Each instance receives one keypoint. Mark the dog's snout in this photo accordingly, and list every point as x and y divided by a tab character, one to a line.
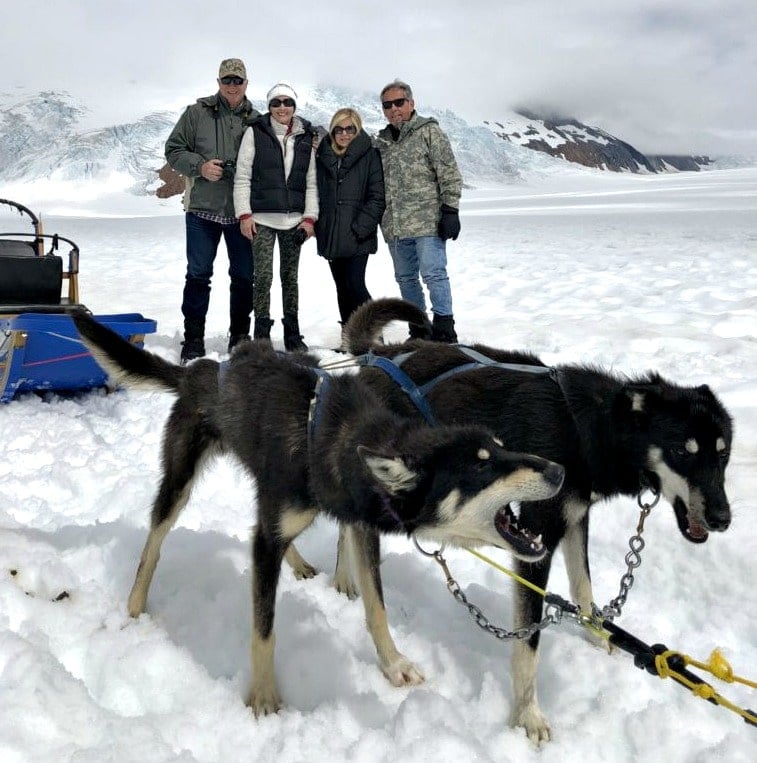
719	521
554	474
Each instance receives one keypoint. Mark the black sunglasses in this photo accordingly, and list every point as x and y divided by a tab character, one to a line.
398	102
232	81
350	130
276	102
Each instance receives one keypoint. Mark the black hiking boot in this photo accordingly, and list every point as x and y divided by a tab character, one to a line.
235	339
292	337
191	350
443	329
262	328
419	332
239	330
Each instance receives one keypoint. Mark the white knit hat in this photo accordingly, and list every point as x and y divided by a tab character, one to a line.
281	90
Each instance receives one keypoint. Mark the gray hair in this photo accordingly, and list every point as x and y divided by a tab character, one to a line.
399	84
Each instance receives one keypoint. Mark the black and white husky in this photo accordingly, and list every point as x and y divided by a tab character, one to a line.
613	435
340	452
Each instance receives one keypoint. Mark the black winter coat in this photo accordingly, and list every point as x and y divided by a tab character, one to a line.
350	198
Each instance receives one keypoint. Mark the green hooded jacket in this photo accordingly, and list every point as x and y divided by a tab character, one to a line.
208	129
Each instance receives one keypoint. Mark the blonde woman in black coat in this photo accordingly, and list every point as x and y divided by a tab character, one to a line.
351	198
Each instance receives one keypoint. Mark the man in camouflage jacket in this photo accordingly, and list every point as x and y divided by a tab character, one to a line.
423	187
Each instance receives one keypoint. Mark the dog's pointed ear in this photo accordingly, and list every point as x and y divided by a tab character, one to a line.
392	473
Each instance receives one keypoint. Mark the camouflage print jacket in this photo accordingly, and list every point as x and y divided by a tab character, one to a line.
208	129
421	174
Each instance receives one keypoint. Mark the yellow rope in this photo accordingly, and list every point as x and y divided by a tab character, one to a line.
717	665
585	620
512	574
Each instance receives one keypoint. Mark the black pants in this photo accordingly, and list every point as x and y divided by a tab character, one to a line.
349	277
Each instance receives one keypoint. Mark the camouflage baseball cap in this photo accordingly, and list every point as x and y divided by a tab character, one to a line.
232	67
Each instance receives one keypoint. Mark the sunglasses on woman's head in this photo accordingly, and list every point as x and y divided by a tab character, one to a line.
349	130
276	102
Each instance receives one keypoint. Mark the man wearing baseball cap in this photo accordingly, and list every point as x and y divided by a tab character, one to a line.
203	147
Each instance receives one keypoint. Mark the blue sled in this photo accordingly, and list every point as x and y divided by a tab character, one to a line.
40	352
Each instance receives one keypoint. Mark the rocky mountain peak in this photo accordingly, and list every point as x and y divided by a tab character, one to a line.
567	138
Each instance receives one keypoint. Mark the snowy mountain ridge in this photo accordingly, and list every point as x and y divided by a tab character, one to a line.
567	138
44	136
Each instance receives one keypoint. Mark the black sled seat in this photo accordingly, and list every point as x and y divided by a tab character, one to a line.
32	280
29	280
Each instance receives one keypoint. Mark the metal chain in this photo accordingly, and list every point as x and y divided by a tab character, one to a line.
633	559
553	615
555	606
553	611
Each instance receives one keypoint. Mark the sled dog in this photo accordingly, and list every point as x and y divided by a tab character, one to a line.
615	436
315	443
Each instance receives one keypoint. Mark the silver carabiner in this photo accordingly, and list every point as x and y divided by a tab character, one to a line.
432	554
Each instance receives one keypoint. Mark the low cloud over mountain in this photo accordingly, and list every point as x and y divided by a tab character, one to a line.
45	136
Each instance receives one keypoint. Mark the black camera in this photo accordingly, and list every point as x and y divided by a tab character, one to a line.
229	167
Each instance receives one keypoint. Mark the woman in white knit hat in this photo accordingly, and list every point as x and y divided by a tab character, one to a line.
276	198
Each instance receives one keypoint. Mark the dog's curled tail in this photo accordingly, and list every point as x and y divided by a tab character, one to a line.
124	363
363	329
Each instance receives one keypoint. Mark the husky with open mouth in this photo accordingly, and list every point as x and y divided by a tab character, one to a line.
615	436
320	444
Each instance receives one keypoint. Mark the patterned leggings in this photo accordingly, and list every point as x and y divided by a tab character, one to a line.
289	263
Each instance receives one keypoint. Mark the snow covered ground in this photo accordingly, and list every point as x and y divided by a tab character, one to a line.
628	272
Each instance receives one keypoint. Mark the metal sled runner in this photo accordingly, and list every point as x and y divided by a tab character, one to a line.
39	346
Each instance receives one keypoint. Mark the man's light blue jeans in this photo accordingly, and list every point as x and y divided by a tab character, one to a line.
423	257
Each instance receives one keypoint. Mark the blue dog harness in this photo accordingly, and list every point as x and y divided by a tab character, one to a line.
392	367
417	394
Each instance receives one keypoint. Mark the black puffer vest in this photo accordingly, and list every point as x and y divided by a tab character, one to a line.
271	191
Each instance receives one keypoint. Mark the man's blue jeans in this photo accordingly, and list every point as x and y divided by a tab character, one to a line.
424	256
203	237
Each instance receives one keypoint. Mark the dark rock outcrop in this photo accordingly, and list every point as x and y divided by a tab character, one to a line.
573	141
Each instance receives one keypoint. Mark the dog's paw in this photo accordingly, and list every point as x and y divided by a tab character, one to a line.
136	604
302	570
533	721
344	584
402	672
600	643
263	701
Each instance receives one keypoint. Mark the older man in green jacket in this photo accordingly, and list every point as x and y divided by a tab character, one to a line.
203	147
423	187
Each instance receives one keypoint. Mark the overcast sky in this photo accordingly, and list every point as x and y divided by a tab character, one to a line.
676	76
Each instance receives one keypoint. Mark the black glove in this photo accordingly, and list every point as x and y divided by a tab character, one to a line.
300	237
449	224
